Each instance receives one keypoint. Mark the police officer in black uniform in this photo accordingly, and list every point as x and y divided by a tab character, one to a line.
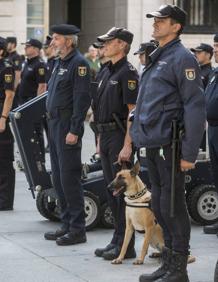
171	89
67	103
50	55
116	96
7	173
211	95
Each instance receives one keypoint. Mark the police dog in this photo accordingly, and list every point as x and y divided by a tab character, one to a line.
139	215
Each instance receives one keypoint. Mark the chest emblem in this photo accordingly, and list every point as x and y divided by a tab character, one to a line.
41	71
190	74
132	84
82	71
8	78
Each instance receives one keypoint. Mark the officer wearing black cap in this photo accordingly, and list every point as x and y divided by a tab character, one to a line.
67	103
170	93
211	95
50	55
116	96
7	173
204	54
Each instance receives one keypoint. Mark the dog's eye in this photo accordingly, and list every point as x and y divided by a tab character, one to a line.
120	177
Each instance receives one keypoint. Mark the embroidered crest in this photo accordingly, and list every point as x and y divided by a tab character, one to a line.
8	78
41	71
82	71
190	74
132	84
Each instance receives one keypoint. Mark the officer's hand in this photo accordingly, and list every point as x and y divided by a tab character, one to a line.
2	125
71	139
125	153
185	165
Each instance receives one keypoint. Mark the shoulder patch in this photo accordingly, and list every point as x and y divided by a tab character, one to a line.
16	63
132	84
131	67
8	78
82	71
190	74
41	71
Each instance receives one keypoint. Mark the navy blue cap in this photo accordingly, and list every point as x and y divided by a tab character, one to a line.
146	47
33	42
98	44
117	32
203	47
47	41
215	39
3	43
11	39
170	11
65	29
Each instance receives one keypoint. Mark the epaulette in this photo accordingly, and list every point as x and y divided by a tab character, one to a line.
7	63
131	67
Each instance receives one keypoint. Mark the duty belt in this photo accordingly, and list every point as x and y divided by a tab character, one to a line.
59	114
109	126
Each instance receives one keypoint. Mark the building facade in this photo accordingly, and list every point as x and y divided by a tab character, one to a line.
33	18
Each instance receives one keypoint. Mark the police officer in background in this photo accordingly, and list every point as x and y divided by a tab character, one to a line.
116	96
204	54
7	173
171	89
67	103
50	55
211	95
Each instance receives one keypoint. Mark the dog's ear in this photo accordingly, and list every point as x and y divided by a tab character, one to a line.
124	165
135	170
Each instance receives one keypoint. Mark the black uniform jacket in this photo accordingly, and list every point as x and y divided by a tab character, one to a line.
69	89
171	88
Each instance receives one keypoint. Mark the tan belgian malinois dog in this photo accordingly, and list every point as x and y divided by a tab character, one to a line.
139	215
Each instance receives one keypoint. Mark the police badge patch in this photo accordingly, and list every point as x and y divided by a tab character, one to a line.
41	71
132	84
8	78
82	71
190	74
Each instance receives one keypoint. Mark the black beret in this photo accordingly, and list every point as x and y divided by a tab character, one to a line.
65	29
47	41
11	39
215	39
33	42
170	11
203	47
117	32
3	43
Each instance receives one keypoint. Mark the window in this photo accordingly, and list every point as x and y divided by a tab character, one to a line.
202	15
35	19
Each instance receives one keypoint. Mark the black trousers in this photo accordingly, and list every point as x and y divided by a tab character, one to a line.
66	175
7	172
111	144
176	230
213	150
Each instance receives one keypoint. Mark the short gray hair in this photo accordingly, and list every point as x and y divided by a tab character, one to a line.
74	39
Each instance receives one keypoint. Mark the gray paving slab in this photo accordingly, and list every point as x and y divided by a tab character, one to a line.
26	257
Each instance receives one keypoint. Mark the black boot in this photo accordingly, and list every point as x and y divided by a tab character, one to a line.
166	260
177	270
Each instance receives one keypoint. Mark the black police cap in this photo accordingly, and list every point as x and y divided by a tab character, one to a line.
33	42
11	39
119	33
3	43
98	44
203	47
215	39
47	41
148	46
65	29
170	11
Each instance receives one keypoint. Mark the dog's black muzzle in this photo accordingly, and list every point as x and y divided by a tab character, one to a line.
117	186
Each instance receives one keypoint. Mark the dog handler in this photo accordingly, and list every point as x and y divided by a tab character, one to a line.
171	88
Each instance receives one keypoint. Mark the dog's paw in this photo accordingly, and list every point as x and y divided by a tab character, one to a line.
117	261
138	262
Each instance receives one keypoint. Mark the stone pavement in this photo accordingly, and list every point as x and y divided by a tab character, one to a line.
26	257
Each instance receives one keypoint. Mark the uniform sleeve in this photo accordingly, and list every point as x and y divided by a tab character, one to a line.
81	96
17	63
194	115
129	85
9	78
40	72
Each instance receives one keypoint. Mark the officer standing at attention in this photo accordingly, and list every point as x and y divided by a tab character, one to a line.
7	173
211	95
116	97
171	89
67	104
